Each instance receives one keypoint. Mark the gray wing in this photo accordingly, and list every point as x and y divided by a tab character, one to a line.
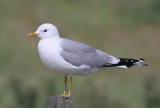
80	54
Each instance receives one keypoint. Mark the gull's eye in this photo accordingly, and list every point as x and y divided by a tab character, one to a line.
45	30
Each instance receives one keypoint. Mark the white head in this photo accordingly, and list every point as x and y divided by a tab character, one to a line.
45	31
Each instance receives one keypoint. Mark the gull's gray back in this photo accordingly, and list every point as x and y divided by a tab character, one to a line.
81	54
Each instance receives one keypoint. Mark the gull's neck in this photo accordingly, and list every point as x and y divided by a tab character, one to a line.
52	38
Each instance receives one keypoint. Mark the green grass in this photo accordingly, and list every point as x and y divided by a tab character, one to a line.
121	28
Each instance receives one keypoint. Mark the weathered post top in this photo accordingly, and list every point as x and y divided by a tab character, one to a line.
60	102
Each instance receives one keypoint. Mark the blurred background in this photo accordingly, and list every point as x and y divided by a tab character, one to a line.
123	28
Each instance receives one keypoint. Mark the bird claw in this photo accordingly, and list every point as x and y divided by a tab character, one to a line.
64	95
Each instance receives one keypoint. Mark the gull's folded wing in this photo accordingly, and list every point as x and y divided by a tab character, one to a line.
81	54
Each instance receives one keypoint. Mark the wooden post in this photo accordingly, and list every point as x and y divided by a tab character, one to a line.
60	102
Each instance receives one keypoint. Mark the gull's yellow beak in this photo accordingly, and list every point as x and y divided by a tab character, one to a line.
32	34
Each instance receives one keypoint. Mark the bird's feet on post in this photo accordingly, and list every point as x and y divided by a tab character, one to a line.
64	94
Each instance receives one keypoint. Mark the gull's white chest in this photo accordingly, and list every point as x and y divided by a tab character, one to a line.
49	52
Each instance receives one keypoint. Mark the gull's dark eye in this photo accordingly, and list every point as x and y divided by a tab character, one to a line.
45	30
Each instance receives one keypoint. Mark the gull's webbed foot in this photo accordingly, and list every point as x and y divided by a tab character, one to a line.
64	95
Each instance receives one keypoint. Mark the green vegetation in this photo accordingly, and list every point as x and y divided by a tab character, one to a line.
123	28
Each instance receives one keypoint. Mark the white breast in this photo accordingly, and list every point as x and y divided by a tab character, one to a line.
49	52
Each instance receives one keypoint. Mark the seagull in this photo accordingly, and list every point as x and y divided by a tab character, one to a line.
74	58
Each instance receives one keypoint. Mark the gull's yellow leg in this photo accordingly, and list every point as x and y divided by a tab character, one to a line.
65	82
70	83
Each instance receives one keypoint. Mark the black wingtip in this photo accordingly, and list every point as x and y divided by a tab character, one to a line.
141	59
